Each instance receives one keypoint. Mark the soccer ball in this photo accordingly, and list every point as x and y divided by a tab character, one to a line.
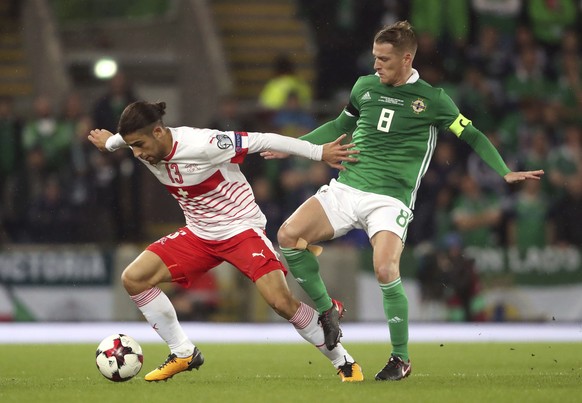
119	357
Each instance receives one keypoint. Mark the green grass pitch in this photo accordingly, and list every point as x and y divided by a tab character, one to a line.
449	372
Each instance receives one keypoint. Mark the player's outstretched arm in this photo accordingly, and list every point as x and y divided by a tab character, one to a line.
104	140
274	155
333	153
514	177
99	137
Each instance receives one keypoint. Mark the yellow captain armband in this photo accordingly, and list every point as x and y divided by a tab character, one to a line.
459	125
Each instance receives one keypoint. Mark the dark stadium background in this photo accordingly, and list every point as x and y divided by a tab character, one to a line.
71	218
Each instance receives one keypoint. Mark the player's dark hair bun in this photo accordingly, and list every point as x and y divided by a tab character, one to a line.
140	114
161	106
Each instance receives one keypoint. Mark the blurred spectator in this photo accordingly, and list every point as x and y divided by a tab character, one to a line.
480	98
464	299
431	280
489	54
444	171
565	161
569	49
119	179
448	22
497	16
11	164
45	132
299	180
429	56
550	19
516	129
293	119
536	157
334	26
369	15
285	81
50	216
476	215
450	287
443	221
529	224
265	198
228	116
10	141
552	123
524	38
570	88
567	214
31	184
76	121
528	80
108	108
443	19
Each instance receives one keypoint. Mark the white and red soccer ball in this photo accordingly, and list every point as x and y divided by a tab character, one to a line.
119	357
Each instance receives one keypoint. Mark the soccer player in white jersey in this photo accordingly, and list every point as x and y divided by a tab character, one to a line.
199	167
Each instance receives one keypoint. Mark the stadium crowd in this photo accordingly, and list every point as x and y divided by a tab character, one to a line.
513	67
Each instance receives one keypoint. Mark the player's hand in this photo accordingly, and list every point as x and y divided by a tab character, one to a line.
514	177
335	153
99	137
273	155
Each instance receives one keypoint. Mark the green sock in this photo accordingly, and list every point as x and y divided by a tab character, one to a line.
396	311
304	267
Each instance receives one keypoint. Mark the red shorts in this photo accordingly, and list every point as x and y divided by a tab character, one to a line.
189	257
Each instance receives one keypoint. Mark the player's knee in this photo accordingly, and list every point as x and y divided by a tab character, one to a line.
132	283
285	238
387	272
284	305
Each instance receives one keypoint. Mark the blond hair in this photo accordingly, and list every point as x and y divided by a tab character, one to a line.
400	35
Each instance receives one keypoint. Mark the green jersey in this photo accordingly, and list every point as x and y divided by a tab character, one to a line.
396	134
395	129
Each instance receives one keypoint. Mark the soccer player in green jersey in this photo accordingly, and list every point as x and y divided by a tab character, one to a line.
394	117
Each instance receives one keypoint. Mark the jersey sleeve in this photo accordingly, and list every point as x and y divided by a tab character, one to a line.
485	149
275	142
224	147
115	142
233	147
448	116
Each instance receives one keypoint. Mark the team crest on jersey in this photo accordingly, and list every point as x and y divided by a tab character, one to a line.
418	106
223	141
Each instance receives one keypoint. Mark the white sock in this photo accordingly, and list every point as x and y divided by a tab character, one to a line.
305	322
161	315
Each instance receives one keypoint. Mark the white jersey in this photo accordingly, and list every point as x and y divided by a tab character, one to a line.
203	175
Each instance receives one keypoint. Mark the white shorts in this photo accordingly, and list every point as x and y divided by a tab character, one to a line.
348	208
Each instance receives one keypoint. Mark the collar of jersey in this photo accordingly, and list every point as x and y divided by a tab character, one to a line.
413	77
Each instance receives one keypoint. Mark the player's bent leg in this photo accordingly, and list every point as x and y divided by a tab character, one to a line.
305	322
307	225
309	222
387	251
145	272
140	279
276	293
